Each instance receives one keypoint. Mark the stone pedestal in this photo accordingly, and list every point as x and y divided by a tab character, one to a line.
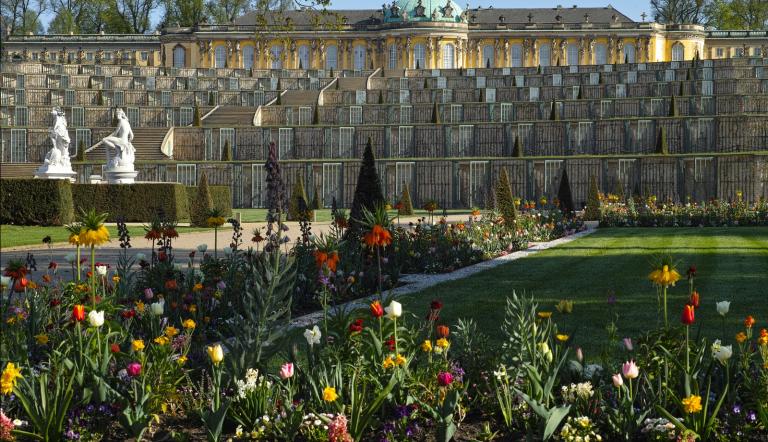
55	173
121	175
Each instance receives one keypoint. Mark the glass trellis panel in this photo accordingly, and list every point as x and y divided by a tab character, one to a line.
248	56
305	115
465	139
20	97
21	116
478	182
575	92
179	57
572	56
258	185
404	137
441	82
456	113
403	83
213	97
20	81
118	98
405	114
346	137
64	82
624	174
419	56
525	133
584	134
594	78
331	57
470	72
331	183
304	57
360	97
658	107
557	80
276	53
644	133
605	109
359	57
704	132
403	177
258	98
18	145
208	135
707	87
186	174
621	91
405	95
69	97
533	94
165	98
669	75
107	82
551	175
227	134
490	95
701	165
151	83
516	51
601	54
82	139
285	142
678	52
545	55
186	115
133	116
234	84
632	77
355	115
78	116
447	95
480	82
505	115
519	80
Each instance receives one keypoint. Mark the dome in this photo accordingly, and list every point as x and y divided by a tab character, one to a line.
423	10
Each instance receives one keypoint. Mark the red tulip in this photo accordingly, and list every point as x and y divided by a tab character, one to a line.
376	309
443	331
694	301
444	378
688	314
78	312
20	284
356	326
390	343
114	348
436	305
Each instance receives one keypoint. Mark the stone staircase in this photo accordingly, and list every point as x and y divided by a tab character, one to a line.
299	98
146	141
18	170
228	116
353	83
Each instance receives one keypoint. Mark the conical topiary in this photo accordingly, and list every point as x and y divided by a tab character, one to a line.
211	102
330	74
620	189
114	118
592	211
315	205
435	114
279	100
80	151
661	142
564	195
381	97
202	204
626	58
196	121
301	65
90	82
316	115
487	63
426	84
406	205
100	98
672	107
517	149
681	91
226	154
580	95
417	65
505	202
553	114
368	189
297	206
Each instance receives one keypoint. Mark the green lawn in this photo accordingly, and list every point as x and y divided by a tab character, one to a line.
324	215
732	264
12	236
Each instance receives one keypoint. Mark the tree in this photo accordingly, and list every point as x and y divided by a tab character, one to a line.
381	97
368	189
129	16
81	151
580	96
517	150
737	14
226	11
672	107
100	100
406	205
202	204
21	17
553	114
435	114
226	154
297	205
196	117
505	202
678	11
592	211
564	195
315	205
316	115
184	13
661	142
80	16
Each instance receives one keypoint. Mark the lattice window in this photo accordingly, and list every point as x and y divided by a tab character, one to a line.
552	171
20	97
405	114
186	115
442	82
403	177
331	183
69	97
285	142
404	138
133	114
186	174
355	115
360	97
457	114
118	98
82	139
165	98
478	182
305	115
258	185
78	116
208	140
644	133
227	134
505	116
21	116
405	96
490	95
465	139
346	138
447	95
18	145
624	173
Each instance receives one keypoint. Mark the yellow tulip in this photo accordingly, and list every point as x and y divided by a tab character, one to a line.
216	353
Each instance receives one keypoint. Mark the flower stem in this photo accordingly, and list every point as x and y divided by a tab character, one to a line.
666	322
93	275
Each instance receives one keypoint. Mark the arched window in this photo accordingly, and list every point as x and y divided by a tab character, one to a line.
601	54
449	53
359	55
629	53
221	57
419	56
393	56
678	52
332	57
179	57
489	53
304	60
516	55
573	54
277	60
248	57
545	55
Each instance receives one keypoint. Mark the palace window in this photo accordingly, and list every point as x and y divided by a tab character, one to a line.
488	56
359	55
221	57
304	60
248	57
545	55
332	57
448	56
573	55
601	54
419	56
678	52
516	55
629	53
186	174
277	52
393	56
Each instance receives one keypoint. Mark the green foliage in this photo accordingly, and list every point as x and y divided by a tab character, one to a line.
90	82
27	201
381	97
138	202
368	193
662	146
99	98
211	102
221	196
46	399
517	150
298	204
114	117
81	151
406	205
279	99
672	106
315	204
505	202
553	114
226	153
435	114
316	115
202	204
564	195
592	211
196	117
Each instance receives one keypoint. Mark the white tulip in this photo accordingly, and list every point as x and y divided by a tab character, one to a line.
202	248
394	310
312	336
101	270
723	307
96	319
5	281
721	352
157	308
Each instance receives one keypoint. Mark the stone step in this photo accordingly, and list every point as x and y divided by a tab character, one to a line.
227	116
294	98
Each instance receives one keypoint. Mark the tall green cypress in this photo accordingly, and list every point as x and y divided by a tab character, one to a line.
661	142
517	150
368	193
202	205
672	107
564	195
592	211
435	114
505	202
297	206
406	205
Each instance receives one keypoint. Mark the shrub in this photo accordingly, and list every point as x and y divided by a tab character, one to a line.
592	212
672	107
196	121
226	154
210	100
381	97
221	196
517	151
28	201
80	151
202	204
406	205
368	189
553	116
564	195
139	202
435	114
661	142
100	98
298	206
505	203
316	115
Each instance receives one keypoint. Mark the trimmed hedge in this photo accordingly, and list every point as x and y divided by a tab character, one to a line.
28	201
139	202
221	196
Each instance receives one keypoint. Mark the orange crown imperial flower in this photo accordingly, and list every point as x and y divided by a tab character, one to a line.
664	276
749	321
378	236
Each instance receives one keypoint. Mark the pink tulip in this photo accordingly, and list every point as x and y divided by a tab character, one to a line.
133	369
444	378
286	371
630	370
617	380
628	344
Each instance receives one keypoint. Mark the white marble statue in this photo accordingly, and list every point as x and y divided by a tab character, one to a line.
57	164
120	152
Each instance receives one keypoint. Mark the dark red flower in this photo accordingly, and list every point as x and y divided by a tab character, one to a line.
52	265
128	314
55	302
436	304
390	343
691	271
443	331
114	348
444	378
356	326
695	299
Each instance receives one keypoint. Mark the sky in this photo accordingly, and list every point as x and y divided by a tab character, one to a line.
630	8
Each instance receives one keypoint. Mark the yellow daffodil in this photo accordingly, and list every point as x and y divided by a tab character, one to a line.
181	360
137	345
188	324
442	343
388	362
399	360
171	331
664	276
41	339
562	337
544	315
139	306
329	394
426	346
115	279
8	378
162	340
564	306
692	404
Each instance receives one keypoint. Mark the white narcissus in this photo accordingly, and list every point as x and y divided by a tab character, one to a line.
723	307
394	310
157	308
312	336
96	319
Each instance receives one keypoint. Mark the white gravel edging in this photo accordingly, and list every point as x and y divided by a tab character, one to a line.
419	282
